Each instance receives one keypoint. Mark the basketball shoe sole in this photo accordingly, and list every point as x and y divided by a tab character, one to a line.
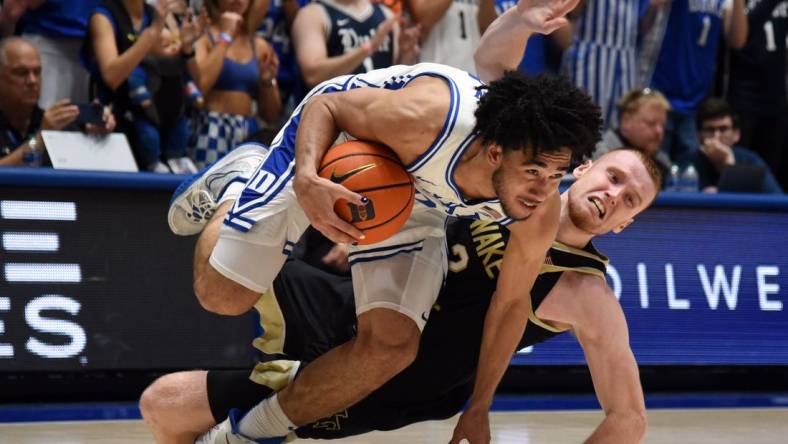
195	200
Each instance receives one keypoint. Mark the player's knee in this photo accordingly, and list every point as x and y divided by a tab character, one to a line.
389	345
392	358
156	401
220	295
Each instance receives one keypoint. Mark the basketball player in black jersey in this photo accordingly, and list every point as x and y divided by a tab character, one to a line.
310	311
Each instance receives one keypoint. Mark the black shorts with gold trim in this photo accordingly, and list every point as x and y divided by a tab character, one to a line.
307	313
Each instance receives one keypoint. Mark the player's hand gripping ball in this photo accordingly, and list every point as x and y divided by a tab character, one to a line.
373	171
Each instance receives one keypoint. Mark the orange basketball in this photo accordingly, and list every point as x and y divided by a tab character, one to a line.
373	171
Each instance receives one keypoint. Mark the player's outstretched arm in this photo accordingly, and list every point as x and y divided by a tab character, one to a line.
406	120
502	45
507	315
601	328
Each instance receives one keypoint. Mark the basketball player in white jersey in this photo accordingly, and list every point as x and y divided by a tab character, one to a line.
495	152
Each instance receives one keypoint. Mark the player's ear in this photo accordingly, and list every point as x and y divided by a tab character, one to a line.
494	154
582	168
621	227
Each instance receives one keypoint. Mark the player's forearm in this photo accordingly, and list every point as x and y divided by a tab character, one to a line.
501	47
316	132
503	328
318	71
736	34
622	427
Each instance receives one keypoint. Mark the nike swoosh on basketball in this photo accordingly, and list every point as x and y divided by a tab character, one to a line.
343	177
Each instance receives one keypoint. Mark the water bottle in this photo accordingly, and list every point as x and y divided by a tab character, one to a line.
689	179
672	181
34	157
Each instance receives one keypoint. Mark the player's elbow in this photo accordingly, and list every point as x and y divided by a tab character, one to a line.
316	103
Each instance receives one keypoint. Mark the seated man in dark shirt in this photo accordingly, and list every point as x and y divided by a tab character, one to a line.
718	131
21	120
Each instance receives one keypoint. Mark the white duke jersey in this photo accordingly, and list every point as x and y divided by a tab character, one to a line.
433	170
454	38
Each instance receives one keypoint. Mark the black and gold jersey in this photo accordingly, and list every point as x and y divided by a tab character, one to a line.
310	311
439	382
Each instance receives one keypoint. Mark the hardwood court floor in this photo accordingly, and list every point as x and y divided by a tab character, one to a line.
718	426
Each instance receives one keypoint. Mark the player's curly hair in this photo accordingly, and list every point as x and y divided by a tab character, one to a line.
544	113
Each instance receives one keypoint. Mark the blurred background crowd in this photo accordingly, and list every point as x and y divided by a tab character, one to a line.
700	85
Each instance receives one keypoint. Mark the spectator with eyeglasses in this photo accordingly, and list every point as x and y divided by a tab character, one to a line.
718	135
642	114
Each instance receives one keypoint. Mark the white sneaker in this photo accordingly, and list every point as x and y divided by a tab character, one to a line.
182	165
226	432
195	200
222	433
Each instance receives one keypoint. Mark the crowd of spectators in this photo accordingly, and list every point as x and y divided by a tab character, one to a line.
693	83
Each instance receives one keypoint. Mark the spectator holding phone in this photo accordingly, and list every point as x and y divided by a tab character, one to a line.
21	119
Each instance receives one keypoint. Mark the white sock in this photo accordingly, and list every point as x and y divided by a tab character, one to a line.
266	420
232	192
